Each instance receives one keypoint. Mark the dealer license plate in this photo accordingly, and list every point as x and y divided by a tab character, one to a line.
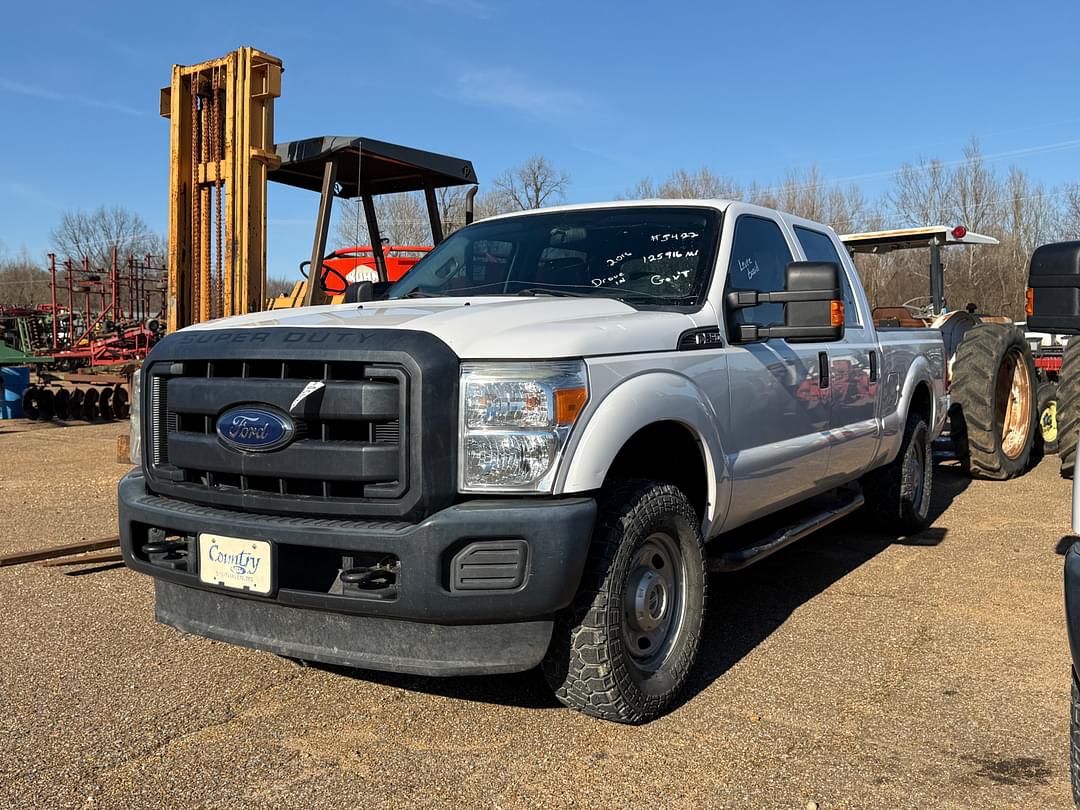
235	563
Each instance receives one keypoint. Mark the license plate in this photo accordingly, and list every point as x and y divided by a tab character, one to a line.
235	563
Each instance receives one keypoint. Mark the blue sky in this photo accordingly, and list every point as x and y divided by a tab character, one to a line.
610	91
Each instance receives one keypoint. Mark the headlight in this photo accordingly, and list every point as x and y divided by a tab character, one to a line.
515	420
136	433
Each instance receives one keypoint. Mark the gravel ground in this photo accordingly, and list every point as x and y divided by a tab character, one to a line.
846	671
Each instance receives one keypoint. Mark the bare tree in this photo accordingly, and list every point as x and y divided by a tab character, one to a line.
402	218
94	234
533	184
22	282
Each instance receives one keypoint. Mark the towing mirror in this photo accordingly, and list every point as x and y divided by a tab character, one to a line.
1053	296
813	306
360	291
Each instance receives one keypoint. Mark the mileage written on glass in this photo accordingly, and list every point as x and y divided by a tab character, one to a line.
643	255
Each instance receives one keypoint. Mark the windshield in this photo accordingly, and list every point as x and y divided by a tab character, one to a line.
658	255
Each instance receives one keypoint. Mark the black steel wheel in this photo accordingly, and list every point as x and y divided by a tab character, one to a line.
623	650
898	495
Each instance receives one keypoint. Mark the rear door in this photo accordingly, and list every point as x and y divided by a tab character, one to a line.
854	365
778	413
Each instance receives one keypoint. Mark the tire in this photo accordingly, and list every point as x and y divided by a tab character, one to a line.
623	649
1068	407
1048	428
994	406
898	495
1074	741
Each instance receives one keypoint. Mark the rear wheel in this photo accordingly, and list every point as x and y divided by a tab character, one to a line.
623	649
1048	428
898	495
993	412
1068	407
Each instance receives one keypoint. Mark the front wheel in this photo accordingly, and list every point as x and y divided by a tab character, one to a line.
622	651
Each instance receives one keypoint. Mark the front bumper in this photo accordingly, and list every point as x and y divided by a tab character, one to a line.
424	624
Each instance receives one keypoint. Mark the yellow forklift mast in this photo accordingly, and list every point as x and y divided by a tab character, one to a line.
221	145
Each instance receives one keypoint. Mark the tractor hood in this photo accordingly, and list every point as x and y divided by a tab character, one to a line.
495	327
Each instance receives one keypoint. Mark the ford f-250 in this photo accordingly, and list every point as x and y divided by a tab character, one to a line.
532	451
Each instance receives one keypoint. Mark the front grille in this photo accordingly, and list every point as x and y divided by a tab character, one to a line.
348	449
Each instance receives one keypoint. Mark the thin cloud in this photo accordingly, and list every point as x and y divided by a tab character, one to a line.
51	95
470	8
503	88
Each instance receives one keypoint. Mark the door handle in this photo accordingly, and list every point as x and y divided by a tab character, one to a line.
873	366
823	369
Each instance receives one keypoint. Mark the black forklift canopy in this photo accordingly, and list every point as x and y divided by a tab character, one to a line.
367	167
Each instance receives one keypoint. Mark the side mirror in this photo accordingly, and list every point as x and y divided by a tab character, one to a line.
360	291
1053	296
813	306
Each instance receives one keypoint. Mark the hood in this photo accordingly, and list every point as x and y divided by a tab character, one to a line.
495	327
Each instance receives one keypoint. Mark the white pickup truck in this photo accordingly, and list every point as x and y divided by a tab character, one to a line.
532	450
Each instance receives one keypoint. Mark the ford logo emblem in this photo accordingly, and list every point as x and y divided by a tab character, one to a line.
255	429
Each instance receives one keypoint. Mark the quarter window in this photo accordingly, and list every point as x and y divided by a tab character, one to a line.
818	247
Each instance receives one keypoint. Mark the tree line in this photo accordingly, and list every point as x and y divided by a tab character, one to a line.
1008	205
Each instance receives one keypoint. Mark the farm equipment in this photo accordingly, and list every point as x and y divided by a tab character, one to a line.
992	380
223	154
1053	308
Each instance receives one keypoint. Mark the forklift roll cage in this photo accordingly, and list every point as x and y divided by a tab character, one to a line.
352	167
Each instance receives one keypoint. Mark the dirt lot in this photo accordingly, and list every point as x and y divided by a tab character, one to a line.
847	671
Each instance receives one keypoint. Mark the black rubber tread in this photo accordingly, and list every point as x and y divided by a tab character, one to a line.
889	490
973	425
1068	409
1074	741
1047	394
587	665
31	402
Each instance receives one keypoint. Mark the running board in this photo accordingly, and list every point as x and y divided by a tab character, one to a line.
737	558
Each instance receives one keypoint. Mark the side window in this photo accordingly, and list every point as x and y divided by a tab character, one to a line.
818	247
759	254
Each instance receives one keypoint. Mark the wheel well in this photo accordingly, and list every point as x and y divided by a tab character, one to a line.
921	403
668	452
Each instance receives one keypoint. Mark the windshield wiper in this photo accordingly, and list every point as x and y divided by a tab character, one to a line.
417	293
555	292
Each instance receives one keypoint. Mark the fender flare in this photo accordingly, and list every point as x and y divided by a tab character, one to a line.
636	403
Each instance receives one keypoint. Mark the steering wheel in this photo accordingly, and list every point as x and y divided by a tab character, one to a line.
326	270
921	308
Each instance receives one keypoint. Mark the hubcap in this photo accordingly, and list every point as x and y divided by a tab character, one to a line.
653	601
916	464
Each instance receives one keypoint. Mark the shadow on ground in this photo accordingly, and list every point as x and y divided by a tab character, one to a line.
748	606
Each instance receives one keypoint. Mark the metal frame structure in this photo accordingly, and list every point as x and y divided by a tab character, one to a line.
221	116
351	167
934	237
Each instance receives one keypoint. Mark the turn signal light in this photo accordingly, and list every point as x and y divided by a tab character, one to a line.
568	404
1030	307
836	313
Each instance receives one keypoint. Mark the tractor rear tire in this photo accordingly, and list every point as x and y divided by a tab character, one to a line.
1068	407
993	416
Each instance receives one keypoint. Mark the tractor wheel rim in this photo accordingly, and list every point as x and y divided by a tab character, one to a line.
654	602
1048	422
1012	404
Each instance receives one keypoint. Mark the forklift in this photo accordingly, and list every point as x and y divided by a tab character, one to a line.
223	154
